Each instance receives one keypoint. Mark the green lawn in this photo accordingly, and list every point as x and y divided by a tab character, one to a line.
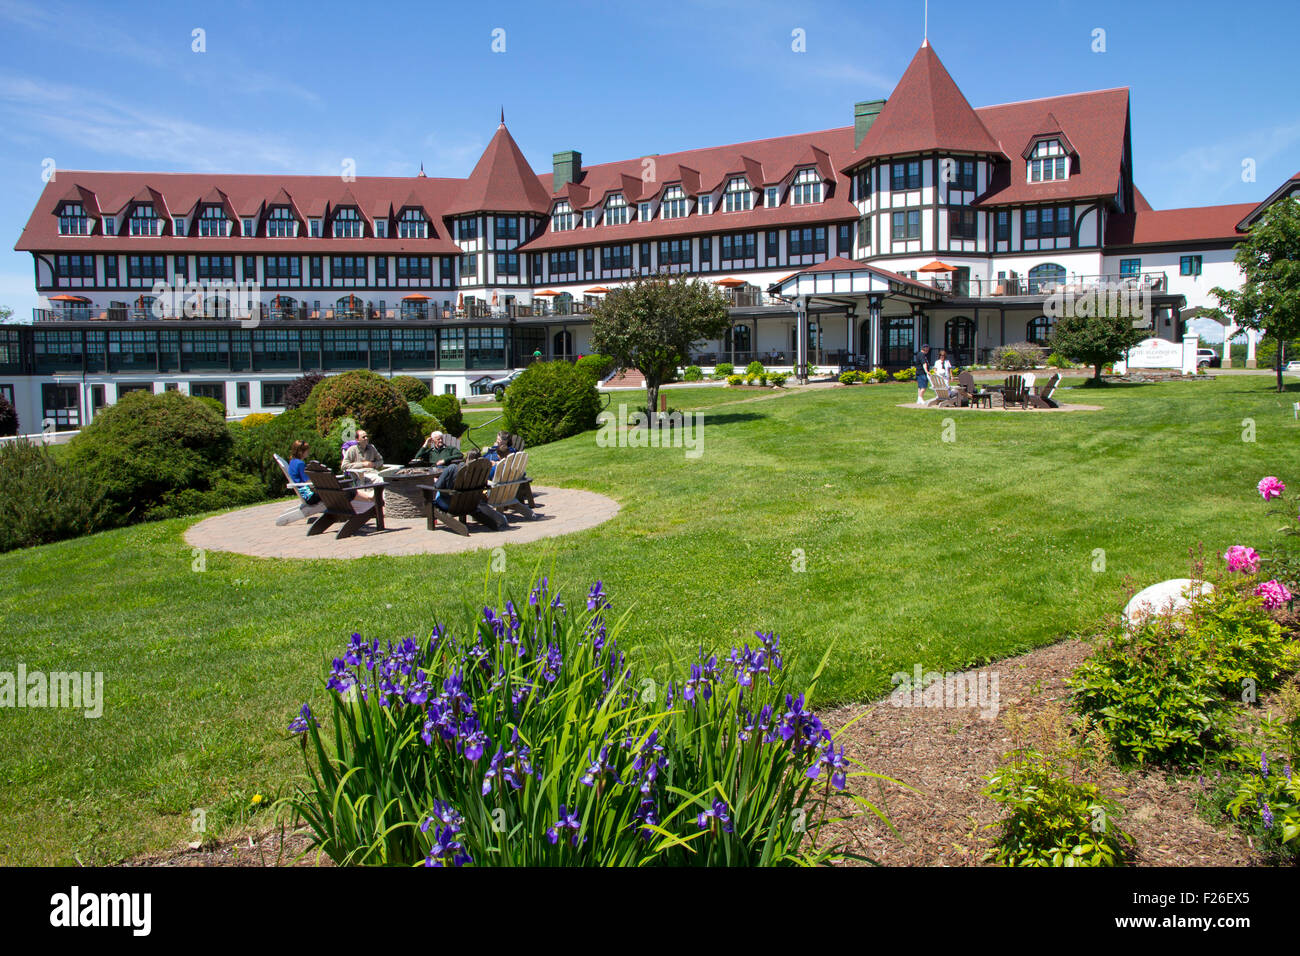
917	550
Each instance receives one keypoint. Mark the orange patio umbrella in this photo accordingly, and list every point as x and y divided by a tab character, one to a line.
68	298
937	266
729	282
596	290
415	297
547	292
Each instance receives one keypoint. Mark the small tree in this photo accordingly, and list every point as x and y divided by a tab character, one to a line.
1269	299
1095	340
652	324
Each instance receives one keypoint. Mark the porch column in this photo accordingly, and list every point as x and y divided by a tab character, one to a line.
975	340
1250	349
1229	331
873	308
850	317
801	339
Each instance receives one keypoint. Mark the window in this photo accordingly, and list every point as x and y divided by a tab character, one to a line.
7	393
772	197
249	227
469	267
143	222
381	228
347	223
507	263
178	226
73	220
281	224
181	266
250	268
862	183
807	188
906	175
738	197
1189	265
381	273
467	228
738	247
806	241
616	210
412	225
959	337
341	267
773	246
1048	162
110	225
961	223
1047	222
1043	279
505	230
1130	267
844	239
273	394
216	267
212	222
414	267
241	395
146	268
564	264
907	225
213	390
1039	330
1003	226
75	267
675	252
285	267
562	217
706	253
644	263
313	228
616	257
966	175
675	204
589	218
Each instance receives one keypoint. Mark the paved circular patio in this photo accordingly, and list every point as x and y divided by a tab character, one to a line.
253	531
1000	409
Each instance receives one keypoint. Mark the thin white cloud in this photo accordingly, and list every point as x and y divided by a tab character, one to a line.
1212	170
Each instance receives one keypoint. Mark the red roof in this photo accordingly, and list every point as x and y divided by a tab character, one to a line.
926	111
242	195
1198	224
502	181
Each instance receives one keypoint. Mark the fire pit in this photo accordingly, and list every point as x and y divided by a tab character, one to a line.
402	492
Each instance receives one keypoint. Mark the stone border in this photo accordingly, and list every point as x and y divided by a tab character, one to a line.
253	531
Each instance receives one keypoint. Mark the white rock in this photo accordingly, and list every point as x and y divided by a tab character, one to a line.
1168	597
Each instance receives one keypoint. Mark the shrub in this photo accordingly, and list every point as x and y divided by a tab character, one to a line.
778	379
1053	821
762	378
1018	356
596	366
754	368
1057	360
848	378
905	374
213	404
410	388
878	375
44	500
518	736
161	455
550	401
372	403
255	419
254	448
445	408
299	390
750	378
735	380
693	373
724	369
8	418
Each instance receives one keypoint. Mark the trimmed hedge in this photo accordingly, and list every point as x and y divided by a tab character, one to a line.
410	388
445	408
363	400
597	366
550	401
42	499
8	418
255	447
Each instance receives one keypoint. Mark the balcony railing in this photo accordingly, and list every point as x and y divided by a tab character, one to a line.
1018	285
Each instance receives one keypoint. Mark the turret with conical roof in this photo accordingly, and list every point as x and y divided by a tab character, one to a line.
502	181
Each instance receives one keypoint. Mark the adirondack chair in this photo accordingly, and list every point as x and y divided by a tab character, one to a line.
1014	392
525	483
303	490
467	498
503	493
1041	397
353	512
448	441
1030	379
974	393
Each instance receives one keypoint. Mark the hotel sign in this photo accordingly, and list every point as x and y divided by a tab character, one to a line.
1156	353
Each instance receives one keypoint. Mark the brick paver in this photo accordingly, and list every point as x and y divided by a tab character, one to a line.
253	531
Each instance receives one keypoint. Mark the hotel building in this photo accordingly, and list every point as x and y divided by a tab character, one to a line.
821	240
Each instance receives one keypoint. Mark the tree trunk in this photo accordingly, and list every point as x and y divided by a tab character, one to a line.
1096	373
651	396
1278	363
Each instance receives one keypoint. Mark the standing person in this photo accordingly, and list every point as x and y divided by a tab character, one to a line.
942	370
921	361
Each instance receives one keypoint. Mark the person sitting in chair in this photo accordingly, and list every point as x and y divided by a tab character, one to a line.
501	449
298	471
363	456
447	480
436	451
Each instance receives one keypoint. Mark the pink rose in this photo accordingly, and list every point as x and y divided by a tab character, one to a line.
1274	594
1242	558
1271	487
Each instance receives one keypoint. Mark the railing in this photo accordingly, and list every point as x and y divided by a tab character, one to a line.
1017	285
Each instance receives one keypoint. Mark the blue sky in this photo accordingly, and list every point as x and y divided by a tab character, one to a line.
299	87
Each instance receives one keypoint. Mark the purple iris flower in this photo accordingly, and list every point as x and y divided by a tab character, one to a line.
340	677
304	719
1263	764
1267	817
447	850
717	812
837	764
598	768
568	821
596	598
554	661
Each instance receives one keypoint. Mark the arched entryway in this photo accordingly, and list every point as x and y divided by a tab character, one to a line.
562	344
959	340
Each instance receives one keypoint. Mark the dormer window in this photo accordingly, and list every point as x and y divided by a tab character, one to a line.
143	222
807	188
73	221
562	218
381	228
110	225
772	197
413	225
589	218
643	211
314	228
616	210
212	222
675	203
706	204
739	197
1048	162
347	224
281	224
